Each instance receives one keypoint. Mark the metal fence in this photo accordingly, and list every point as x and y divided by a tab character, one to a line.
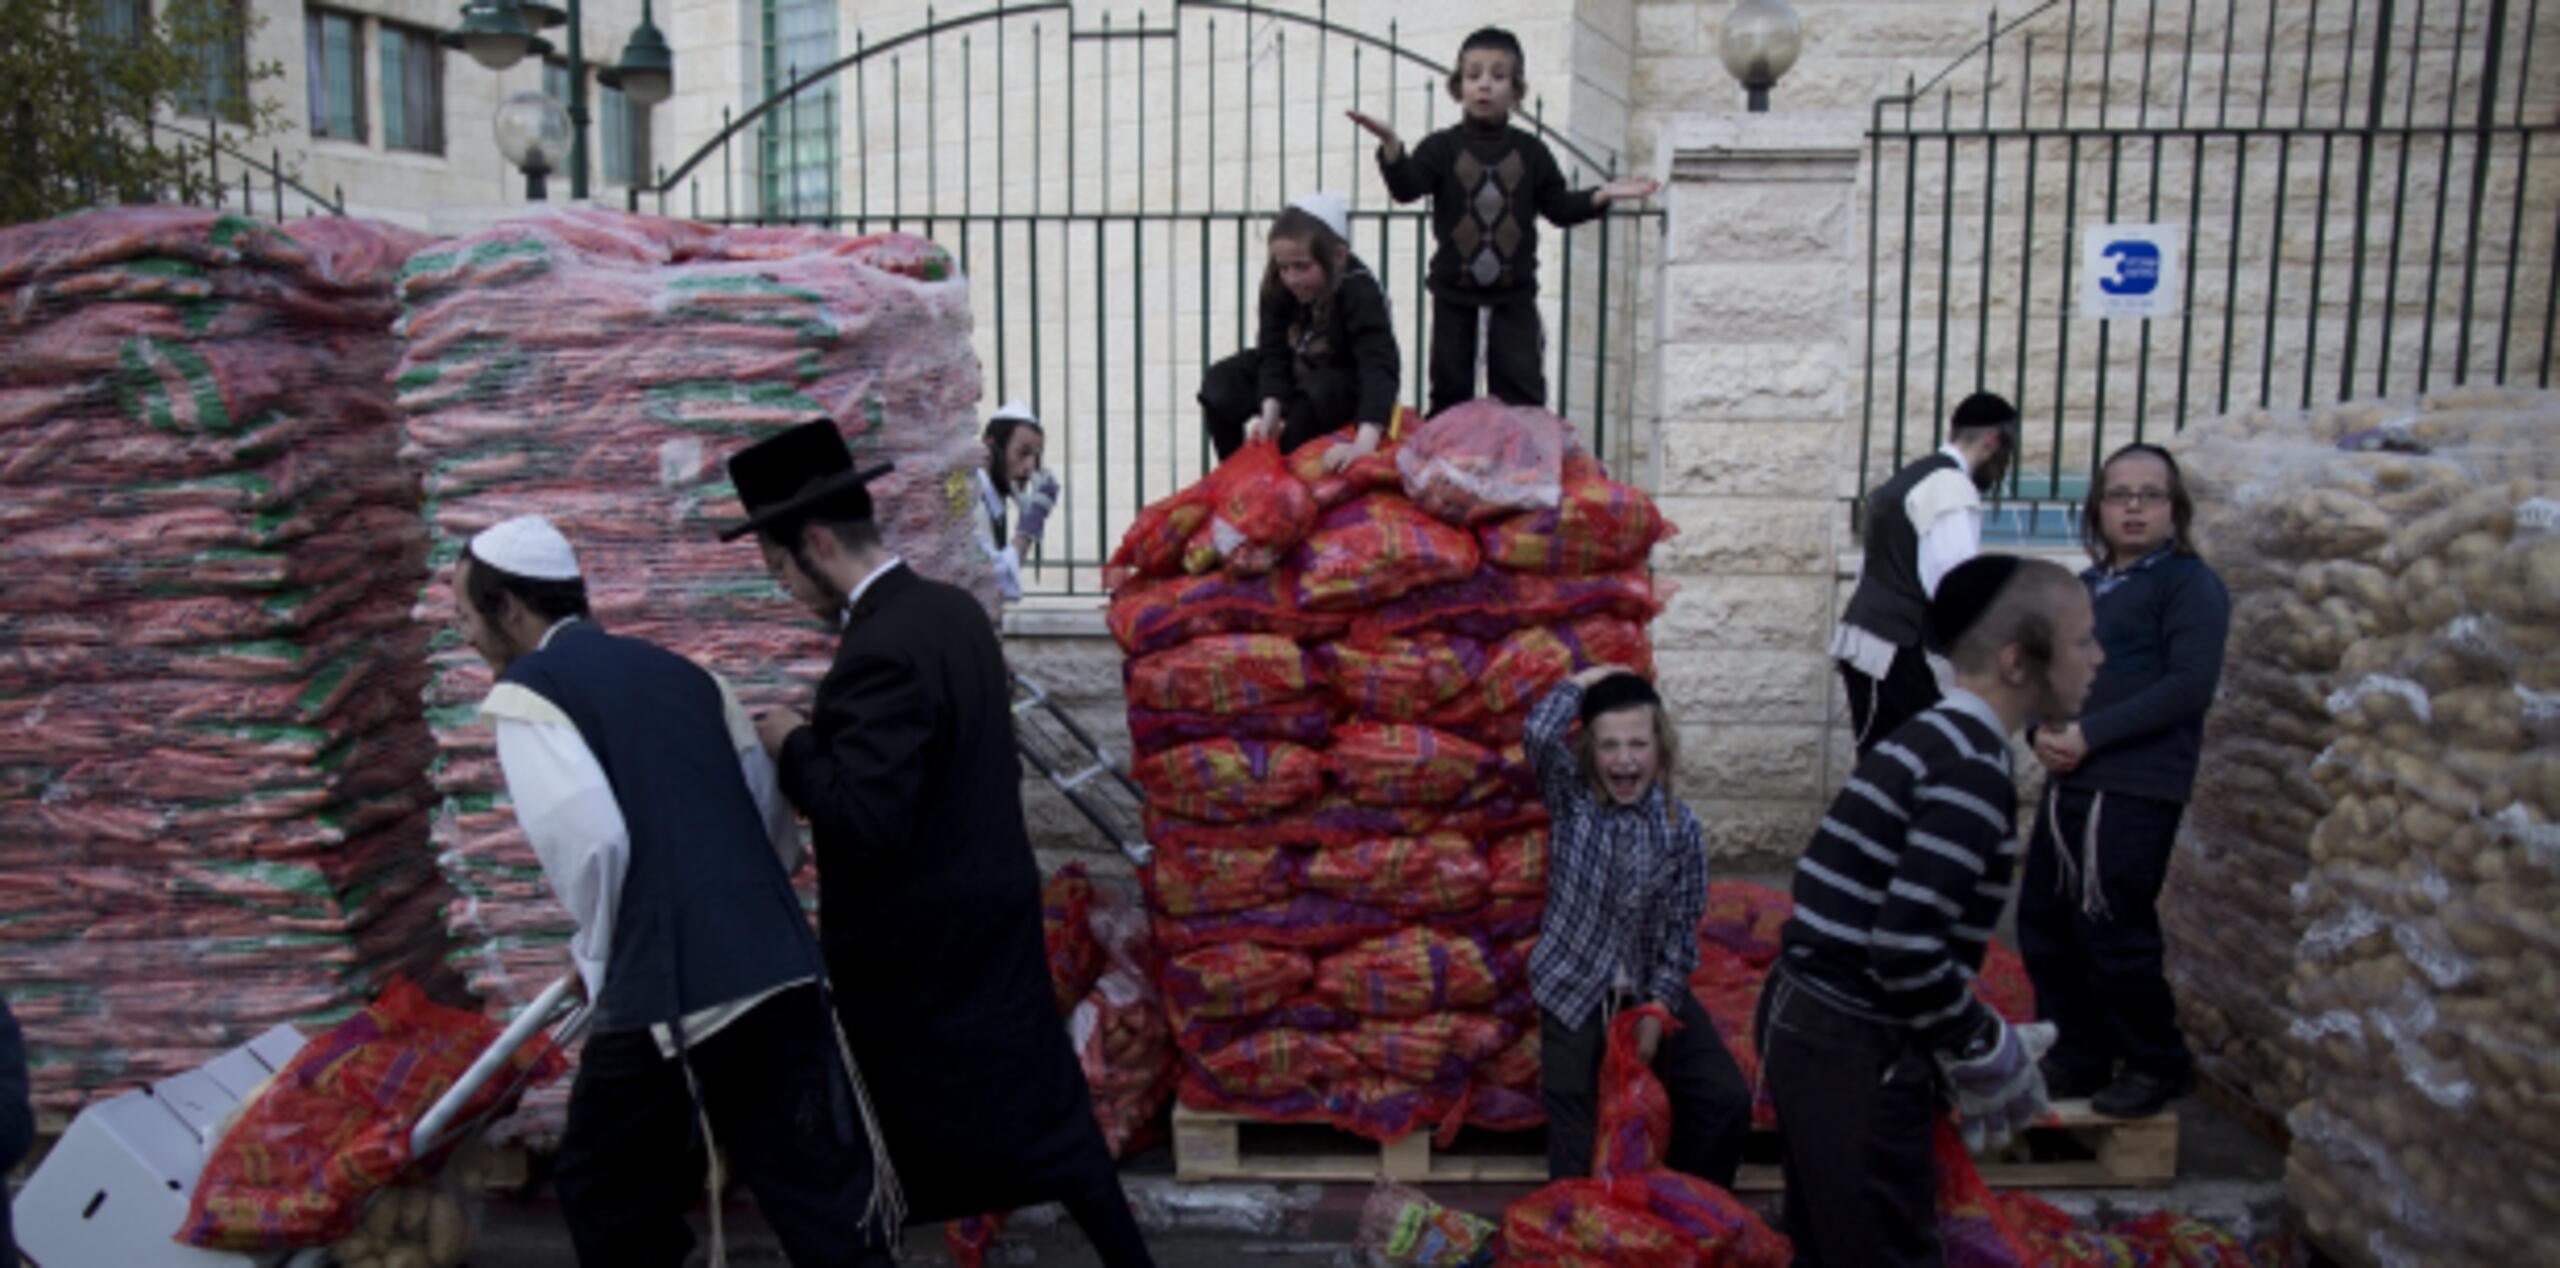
1104	189
2369	193
244	195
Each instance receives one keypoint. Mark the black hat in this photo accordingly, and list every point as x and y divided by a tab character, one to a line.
1615	692
800	474
1496	37
1983	409
1965	593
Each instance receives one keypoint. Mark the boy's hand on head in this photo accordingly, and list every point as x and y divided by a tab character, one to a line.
1378	128
1629	189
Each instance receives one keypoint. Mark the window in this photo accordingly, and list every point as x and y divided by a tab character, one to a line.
110	23
625	137
799	138
334	50
555	81
412	90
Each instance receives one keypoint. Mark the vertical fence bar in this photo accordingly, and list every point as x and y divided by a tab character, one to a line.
2494	50
1102	314
1990	202
968	157
2026	236
2062	320
2275	217
1421	251
2320	212
2142	354
2377	83
2195	226
898	143
1324	46
1004	381
2524	176
1209	204
1875	230
1946	258
2107	326
1902	322
932	126
2444	177
2399	203
1600	345
728	170
861	131
2550	303
1031	235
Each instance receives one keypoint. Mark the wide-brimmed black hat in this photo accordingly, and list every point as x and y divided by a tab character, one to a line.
802	474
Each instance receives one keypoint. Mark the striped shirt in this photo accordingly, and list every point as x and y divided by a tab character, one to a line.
1897	895
1626	885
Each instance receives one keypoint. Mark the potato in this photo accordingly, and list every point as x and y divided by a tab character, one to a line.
413	1213
444	1231
407	1257
381	1220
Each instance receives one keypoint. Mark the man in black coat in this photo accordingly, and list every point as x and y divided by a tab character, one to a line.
17	1120
929	898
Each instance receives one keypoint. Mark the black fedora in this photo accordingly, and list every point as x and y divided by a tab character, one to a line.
803	473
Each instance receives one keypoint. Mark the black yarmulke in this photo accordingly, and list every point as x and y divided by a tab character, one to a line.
1497	38
1615	692
1965	593
1983	409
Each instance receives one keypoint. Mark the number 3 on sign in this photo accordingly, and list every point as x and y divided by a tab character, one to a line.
2130	271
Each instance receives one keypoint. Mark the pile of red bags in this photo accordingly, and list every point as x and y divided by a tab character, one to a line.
213	804
1328	679
599	368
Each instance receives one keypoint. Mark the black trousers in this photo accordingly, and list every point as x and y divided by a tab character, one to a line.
2098	977
1101	1209
1879	707
1710	1104
1515	347
1231	396
1857	1101
631	1162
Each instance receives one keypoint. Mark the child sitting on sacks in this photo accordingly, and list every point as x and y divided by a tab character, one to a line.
1626	887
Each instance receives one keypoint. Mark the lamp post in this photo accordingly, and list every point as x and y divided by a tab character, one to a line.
499	33
533	132
1759	46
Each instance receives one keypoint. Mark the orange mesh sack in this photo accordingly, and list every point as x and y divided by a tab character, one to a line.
1375	548
1516	1065
1154	544
1408	875
1608	640
1435	1048
1199	882
1484	460
1224	781
1235	979
1272	1062
1364	475
1257	511
1150	616
1066	928
1496	601
1409	973
1520	864
1221	675
1400	679
1392	764
1520	670
1600	526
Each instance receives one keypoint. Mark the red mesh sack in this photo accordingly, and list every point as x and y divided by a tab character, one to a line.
1150	616
1375	548
1221	781
1258	509
1745	919
1328	821
1400	679
1393	764
1494	602
1434	1048
1066	928
1198	882
1494	817
1409	875
1222	675
1520	864
1484	460
1600	526
1238	979
1154	544
1504	1109
1308	722
1195	1031
1635	1109
1409	973
1519	672
1312	921
1121	1033
1272	1062
1727	987
1364	475
1382	1107
1608	640
295	1167
1516	1065
2004	985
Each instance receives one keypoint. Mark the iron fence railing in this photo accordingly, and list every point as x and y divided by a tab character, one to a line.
1118	257
2355	181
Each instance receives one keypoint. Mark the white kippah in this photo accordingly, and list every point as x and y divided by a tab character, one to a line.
527	546
1017	408
1333	209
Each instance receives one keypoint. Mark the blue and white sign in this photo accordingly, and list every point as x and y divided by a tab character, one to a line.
2132	271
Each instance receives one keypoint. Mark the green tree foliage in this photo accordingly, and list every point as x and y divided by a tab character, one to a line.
107	101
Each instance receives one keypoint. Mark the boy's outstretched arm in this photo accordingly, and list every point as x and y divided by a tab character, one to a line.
1407	178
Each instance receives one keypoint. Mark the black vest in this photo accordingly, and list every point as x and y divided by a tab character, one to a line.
706	915
1890	602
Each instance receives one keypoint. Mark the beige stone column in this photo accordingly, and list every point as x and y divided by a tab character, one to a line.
1756	360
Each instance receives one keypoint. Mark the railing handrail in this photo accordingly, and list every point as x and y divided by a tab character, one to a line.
273	168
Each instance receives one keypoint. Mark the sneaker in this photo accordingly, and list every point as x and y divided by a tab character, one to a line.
2141	1094
2070	1082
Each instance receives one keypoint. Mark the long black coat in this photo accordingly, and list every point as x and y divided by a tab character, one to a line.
929	907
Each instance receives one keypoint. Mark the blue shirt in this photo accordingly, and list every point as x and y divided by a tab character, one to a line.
2163	622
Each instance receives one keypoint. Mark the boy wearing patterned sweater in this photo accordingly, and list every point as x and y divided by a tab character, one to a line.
1868	1019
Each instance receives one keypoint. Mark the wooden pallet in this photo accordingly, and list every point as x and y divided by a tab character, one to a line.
2075	1149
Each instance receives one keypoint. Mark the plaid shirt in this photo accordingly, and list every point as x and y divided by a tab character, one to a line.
1626	885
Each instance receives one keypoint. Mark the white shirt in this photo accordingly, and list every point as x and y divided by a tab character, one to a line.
1945	509
844	618
567	809
1004	554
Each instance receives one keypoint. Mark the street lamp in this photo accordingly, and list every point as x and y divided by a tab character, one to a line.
1761	40
499	33
533	132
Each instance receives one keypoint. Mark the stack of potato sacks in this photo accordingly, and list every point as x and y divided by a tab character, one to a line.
2426	974
1327	682
598	368
213	810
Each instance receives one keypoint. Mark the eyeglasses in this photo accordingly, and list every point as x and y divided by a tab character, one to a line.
2135	497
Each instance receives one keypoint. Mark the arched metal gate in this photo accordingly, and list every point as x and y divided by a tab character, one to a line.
2369	194
1104	188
